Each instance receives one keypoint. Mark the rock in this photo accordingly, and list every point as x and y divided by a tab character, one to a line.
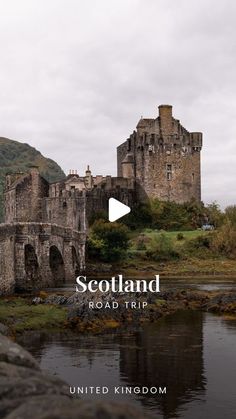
26	392
58	407
56	299
98	268
37	300
12	353
18	384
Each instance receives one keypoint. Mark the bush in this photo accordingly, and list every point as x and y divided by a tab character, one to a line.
224	240
230	213
107	241
214	215
161	248
99	215
199	246
180	236
200	242
141	245
166	215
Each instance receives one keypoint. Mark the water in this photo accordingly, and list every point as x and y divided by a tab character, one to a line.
191	353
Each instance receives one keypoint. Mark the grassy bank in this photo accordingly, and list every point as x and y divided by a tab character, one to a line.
19	314
169	253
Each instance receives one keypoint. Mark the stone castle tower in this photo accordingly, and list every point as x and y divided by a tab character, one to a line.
163	158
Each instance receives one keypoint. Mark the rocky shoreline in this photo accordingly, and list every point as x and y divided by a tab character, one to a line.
149	307
72	311
26	392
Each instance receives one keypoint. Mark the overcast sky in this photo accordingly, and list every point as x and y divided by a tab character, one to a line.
75	77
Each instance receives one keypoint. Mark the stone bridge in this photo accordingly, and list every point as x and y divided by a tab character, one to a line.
38	255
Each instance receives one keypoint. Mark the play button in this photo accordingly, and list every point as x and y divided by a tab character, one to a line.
116	209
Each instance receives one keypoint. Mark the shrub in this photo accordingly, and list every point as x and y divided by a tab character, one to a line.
141	245
161	248
108	241
224	240
214	215
99	215
230	213
199	246
202	241
180	236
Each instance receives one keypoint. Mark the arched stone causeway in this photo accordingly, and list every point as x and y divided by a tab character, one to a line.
56	264
32	271
39	255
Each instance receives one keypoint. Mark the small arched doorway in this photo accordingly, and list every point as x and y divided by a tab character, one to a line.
31	264
56	263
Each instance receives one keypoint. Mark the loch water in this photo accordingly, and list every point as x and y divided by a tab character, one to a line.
191	353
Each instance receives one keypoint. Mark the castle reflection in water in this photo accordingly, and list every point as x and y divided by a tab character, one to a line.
168	356
166	353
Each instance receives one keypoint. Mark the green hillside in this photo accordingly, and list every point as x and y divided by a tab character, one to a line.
15	157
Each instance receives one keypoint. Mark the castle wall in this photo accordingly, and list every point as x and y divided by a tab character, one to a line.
122	150
19	272
68	210
97	199
7	258
23	198
166	159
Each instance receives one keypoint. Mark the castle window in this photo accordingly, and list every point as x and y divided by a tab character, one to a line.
193	175
64	205
169	171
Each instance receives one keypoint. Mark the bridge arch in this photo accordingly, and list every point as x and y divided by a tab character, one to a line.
75	261
32	271
56	264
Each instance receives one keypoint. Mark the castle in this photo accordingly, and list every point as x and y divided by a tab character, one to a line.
163	158
44	235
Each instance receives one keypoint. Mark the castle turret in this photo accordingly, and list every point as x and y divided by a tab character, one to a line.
88	180
163	158
165	117
128	166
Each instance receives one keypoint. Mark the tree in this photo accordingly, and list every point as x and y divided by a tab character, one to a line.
108	241
214	214
230	213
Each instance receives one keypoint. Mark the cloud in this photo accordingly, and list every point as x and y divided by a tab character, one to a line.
76	77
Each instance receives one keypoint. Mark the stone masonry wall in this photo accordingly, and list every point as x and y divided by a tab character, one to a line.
7	274
166	158
17	271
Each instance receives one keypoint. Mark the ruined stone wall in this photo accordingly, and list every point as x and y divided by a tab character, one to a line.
23	199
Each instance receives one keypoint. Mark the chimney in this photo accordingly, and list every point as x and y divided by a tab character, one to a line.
165	111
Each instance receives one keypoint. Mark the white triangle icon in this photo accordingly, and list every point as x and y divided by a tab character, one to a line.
116	209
